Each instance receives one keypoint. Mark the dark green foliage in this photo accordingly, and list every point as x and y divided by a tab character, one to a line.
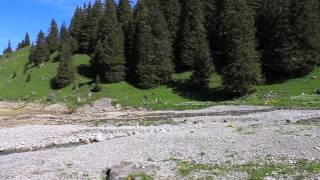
53	37
125	15
66	72
84	38
66	37
109	60
32	54
287	35
76	24
171	10
152	48
125	18
97	85
41	52
7	51
194	45
27	41
94	19
193	33
243	69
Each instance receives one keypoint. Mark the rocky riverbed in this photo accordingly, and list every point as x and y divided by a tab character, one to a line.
223	142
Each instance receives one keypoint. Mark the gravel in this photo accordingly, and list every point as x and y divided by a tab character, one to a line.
80	151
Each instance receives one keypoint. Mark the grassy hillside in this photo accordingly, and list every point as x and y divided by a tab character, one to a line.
178	95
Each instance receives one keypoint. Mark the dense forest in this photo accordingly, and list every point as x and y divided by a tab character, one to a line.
246	41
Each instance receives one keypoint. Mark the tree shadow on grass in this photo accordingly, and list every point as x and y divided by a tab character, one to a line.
86	71
187	90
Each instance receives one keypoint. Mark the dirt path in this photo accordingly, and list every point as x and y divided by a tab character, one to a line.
164	145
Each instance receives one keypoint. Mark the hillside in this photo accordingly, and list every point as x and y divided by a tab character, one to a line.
292	93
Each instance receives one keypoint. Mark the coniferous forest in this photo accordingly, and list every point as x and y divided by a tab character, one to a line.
247	42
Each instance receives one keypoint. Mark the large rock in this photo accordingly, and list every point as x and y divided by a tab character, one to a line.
101	105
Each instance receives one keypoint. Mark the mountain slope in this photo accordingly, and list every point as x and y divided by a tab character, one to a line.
298	92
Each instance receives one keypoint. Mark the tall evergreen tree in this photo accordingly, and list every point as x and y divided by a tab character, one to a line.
32	54
66	72
125	18
171	10
41	51
94	19
53	37
27	41
8	50
125	15
243	69
76	24
113	60
152	48
194	46
287	35
84	39
65	36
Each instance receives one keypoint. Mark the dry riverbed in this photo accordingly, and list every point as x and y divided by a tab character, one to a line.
223	142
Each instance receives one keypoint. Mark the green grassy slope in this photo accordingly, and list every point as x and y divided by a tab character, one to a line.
178	95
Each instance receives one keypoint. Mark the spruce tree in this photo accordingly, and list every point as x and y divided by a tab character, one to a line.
76	25
152	47
305	27
66	72
94	19
65	36
53	37
171	10
194	45
125	15
27	41
8	50
113	61
243	69
84	39
96	61
125	18
287	34
41	51
32	54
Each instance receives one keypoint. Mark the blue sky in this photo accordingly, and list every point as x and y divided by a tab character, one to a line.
20	16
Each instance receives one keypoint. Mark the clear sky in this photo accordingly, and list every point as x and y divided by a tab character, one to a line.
20	16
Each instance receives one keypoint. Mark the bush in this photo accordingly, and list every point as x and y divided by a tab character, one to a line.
97	85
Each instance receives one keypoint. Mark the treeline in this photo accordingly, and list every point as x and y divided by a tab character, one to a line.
246	41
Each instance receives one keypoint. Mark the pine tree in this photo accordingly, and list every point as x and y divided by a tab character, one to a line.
97	85
113	61
32	54
171	10
8	50
305	27
287	34
194	45
243	69
97	59
125	15
125	18
66	72
94	19
41	51
66	37
53	37
84	39
76	25
27	40
152	48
